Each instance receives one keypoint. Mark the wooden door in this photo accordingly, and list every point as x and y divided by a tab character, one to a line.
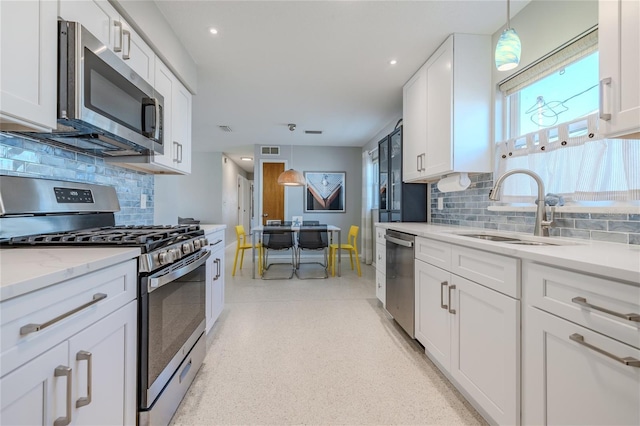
272	193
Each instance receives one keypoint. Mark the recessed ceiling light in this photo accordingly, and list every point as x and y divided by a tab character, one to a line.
393	62
246	158
213	31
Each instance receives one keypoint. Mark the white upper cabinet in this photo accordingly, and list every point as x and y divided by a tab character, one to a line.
447	111
105	23
176	122
28	47
618	44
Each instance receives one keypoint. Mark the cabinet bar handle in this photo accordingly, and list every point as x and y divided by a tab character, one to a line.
126	55
31	328
443	284
217	262
451	311
118	47
604	116
630	361
175	157
60	371
583	302
85	356
418	158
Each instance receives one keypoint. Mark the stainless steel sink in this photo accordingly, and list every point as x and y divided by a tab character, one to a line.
508	240
490	237
531	243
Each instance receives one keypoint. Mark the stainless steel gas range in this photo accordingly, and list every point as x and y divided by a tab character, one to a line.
171	276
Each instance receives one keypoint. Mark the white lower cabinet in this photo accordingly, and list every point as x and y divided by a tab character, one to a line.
215	278
80	366
581	348
567	382
472	332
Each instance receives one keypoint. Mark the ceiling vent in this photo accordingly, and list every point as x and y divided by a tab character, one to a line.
270	150
313	132
225	128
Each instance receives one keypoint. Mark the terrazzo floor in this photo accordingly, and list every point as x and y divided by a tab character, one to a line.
315	352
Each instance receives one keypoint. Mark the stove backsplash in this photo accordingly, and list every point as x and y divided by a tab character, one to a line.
23	157
469	208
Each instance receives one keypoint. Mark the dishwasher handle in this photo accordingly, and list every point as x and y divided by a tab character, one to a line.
398	241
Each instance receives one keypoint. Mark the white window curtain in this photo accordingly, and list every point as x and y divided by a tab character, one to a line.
573	161
368	200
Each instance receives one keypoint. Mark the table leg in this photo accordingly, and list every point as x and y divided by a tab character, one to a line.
339	253
253	254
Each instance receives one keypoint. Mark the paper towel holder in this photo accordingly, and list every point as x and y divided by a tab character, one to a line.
458	181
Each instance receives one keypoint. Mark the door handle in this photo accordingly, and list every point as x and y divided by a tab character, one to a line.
443	284
603	115
451	311
630	361
118	47
126	55
63	370
265	215
85	356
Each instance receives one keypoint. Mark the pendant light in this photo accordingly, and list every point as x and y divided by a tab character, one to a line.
508	48
291	177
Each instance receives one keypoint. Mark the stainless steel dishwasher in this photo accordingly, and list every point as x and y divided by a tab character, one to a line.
400	279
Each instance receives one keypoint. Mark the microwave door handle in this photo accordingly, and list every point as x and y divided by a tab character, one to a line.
157	119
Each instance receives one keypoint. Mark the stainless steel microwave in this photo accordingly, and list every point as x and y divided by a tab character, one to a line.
104	107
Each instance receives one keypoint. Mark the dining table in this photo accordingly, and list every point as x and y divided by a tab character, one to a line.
257	231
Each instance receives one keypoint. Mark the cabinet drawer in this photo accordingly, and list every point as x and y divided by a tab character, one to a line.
52	304
380	233
433	252
567	382
497	272
565	293
216	239
381	258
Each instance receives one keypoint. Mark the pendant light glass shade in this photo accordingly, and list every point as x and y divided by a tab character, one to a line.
508	50
291	177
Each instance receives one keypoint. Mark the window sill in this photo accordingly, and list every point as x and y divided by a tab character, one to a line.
572	209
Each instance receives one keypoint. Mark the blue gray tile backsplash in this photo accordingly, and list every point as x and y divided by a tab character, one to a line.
469	208
23	157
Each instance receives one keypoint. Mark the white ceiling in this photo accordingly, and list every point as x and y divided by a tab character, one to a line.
323	65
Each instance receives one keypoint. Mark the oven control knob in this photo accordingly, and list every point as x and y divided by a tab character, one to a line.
166	257
204	242
186	248
177	254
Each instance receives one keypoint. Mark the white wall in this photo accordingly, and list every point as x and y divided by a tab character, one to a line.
198	195
317	159
229	199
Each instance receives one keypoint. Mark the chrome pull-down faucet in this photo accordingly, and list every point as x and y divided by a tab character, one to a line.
541	227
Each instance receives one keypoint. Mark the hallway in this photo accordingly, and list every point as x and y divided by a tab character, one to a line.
315	352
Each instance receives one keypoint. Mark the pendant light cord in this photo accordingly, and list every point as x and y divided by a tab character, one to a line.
508	14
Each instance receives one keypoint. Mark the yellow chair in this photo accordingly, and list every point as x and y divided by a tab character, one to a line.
351	246
243	245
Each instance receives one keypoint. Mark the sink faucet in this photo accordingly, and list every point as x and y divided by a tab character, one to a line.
541	227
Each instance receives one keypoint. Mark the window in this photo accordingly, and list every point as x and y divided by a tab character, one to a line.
552	127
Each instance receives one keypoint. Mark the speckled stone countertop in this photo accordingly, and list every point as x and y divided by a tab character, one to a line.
23	270
610	260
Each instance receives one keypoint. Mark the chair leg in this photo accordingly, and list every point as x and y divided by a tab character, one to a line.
351	258
235	261
241	259
358	263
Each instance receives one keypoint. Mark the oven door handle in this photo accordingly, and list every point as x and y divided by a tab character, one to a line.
158	282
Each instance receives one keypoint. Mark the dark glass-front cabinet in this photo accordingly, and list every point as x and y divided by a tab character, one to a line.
399	202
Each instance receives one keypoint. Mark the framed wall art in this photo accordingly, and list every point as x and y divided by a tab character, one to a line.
325	192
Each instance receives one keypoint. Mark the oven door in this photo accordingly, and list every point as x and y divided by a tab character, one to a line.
172	319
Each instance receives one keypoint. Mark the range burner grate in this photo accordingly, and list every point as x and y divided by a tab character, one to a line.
148	237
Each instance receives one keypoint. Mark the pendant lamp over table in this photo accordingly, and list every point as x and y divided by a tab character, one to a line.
508	49
291	177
